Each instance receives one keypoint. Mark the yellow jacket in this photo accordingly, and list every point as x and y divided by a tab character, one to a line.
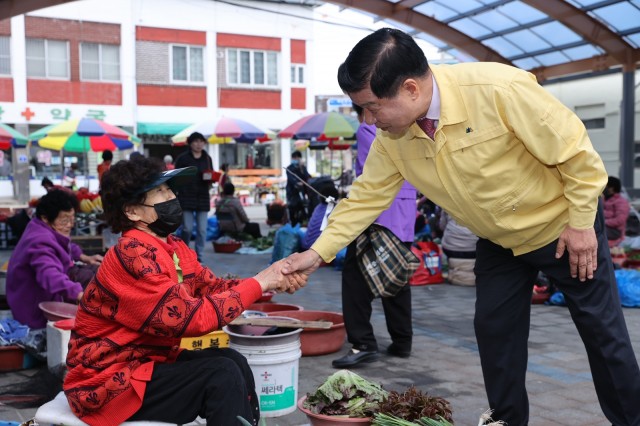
509	161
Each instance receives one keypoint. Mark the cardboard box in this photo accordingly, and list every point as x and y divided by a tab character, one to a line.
217	339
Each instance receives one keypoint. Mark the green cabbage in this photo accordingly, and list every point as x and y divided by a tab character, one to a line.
346	393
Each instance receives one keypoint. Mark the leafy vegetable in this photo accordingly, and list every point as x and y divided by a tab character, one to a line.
382	419
346	393
412	405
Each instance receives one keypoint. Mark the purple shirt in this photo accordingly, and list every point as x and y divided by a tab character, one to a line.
400	217
38	272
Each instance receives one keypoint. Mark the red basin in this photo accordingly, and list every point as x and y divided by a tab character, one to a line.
274	307
318	341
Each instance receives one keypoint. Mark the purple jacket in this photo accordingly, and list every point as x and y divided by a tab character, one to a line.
38	272
400	217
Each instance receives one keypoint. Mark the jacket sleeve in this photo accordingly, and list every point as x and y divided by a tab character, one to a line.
76	251
155	303
50	272
557	138
371	194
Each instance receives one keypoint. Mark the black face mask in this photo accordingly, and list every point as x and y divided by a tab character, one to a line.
169	217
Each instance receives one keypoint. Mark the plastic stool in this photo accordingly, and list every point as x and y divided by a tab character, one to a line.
57	412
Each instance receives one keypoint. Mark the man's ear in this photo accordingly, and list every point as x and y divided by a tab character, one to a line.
412	88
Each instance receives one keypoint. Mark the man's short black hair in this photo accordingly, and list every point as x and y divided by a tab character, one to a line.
46	182
228	189
382	61
296	154
195	136
107	155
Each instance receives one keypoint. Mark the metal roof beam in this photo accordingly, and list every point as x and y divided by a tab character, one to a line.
551	49
9	8
594	64
476	11
428	25
589	28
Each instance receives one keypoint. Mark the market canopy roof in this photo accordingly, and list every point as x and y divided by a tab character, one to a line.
550	38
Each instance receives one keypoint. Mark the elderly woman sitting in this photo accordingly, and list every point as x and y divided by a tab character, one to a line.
125	360
42	266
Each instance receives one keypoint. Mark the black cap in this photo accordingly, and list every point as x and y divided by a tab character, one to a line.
174	178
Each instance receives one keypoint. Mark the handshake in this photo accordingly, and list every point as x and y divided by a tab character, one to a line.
289	274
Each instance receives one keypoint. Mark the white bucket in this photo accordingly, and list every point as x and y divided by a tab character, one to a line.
274	363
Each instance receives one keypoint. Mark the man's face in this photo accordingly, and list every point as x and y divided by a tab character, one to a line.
396	114
197	145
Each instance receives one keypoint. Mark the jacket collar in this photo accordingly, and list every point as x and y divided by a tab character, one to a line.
452	107
60	239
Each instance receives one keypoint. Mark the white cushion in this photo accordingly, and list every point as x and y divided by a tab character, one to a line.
58	412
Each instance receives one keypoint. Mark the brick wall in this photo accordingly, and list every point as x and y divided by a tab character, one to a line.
5	27
73	91
153	72
298	56
298	98
253	98
169	35
6	89
298	52
152	62
172	95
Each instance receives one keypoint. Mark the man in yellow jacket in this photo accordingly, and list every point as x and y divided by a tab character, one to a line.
515	166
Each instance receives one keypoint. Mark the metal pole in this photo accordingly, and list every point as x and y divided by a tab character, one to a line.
627	129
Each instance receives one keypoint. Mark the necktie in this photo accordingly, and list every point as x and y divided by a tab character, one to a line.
428	125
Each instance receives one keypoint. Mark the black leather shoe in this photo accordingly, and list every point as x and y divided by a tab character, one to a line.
394	350
354	358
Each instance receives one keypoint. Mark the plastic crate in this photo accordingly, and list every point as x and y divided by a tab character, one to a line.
217	339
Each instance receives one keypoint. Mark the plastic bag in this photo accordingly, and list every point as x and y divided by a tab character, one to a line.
213	229
338	262
629	287
430	269
286	242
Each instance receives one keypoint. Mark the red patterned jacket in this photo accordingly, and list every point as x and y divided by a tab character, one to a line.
133	314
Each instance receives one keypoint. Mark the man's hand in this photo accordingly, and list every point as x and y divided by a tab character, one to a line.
302	263
272	279
582	246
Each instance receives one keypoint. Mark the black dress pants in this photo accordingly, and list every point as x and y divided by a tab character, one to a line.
215	384
356	308
504	284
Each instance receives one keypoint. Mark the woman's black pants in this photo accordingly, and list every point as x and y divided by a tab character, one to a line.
215	384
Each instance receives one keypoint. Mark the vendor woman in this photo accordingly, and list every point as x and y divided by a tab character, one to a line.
125	360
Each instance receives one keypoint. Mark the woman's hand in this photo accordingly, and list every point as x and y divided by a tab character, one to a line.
273	279
96	259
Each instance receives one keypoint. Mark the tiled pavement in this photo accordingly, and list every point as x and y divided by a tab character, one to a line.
445	359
